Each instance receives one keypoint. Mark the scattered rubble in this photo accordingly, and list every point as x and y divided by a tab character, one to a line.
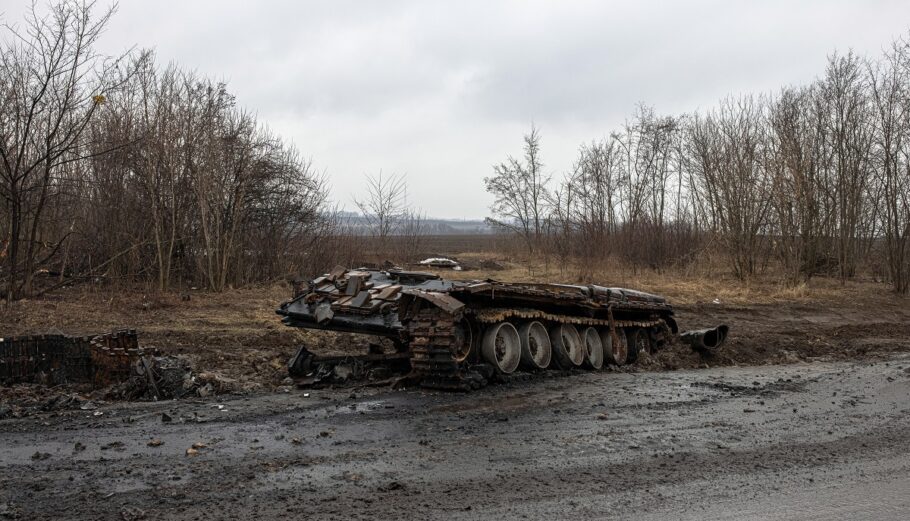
57	372
311	370
58	359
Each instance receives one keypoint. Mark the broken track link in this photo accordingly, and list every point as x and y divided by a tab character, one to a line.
434	353
100	360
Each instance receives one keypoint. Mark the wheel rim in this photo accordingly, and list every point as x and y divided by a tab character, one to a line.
620	351
502	347
567	345
594	351
464	341
576	345
536	348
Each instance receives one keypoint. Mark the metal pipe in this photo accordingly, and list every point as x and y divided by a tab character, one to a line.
706	340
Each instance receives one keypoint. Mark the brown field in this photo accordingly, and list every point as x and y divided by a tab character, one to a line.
236	333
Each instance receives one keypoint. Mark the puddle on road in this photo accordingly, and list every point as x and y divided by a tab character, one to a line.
350	408
366	406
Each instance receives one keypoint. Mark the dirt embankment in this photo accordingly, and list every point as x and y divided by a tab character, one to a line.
788	332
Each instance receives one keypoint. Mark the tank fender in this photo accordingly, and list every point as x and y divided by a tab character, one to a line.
443	301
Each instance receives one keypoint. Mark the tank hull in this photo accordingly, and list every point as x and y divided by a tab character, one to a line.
455	331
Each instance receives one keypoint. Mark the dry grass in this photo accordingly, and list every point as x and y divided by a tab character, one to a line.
233	316
685	287
238	334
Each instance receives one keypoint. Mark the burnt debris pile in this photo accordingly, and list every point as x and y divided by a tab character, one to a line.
99	360
113	366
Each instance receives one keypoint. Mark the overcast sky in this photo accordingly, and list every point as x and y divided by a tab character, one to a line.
440	92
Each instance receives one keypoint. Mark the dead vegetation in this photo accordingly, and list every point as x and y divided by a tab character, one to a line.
155	183
236	335
233	334
695	284
810	181
147	175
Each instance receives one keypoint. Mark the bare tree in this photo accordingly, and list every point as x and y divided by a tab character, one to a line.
287	223
571	231
846	105
727	150
793	160
520	192
167	127
52	82
384	207
223	179
891	100
645	147
584	204
412	233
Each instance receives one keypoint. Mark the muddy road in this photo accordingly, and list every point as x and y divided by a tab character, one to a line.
800	441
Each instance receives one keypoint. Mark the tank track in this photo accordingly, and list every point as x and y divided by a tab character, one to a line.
433	348
100	360
434	343
494	315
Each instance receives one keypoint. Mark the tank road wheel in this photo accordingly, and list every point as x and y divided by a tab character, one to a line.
594	349
639	342
502	347
567	346
464	340
616	353
536	351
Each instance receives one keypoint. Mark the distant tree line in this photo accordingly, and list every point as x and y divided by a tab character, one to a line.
397	229
116	167
811	180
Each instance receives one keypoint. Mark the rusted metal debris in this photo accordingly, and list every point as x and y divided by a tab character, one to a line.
458	334
114	362
312	370
705	341
100	360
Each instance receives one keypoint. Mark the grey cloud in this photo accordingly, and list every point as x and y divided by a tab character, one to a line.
442	90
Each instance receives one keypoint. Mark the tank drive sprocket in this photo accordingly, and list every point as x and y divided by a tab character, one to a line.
440	346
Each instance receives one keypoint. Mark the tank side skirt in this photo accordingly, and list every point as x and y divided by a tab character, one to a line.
494	315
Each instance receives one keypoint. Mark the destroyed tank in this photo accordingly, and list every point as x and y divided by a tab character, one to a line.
458	334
